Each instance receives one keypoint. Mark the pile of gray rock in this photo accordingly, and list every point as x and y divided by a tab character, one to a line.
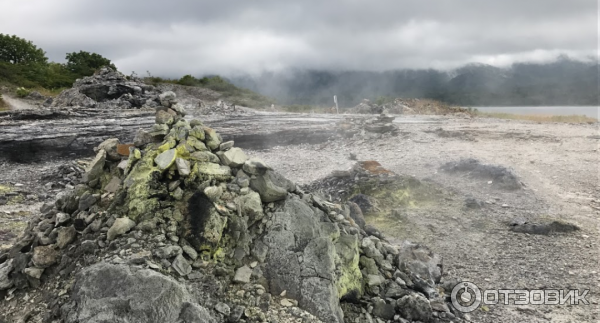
500	177
374	128
187	228
222	108
368	107
108	89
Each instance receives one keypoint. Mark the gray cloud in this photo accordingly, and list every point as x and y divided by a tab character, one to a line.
199	37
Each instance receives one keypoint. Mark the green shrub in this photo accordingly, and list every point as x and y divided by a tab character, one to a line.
22	92
3	105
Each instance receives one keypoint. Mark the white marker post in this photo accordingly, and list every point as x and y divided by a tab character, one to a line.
336	104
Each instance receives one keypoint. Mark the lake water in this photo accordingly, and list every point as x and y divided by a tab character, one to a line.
590	111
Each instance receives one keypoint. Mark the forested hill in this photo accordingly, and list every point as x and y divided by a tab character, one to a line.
563	82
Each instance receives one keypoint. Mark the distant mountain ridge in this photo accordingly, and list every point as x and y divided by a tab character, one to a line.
562	82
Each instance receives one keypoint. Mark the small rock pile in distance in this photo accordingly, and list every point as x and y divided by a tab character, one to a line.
380	127
406	106
108	89
189	229
222	108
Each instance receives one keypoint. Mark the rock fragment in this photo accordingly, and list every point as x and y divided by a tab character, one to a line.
181	266
234	157
165	159
242	275
95	167
44	256
120	227
5	270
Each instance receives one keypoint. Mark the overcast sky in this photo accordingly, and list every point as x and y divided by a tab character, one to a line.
176	37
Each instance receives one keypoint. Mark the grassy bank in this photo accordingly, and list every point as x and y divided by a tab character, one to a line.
229	92
537	117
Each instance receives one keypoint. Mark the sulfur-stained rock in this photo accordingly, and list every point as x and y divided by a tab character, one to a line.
196	144
204	156
349	281
158	131
213	139
197	132
183	166
166	159
218	171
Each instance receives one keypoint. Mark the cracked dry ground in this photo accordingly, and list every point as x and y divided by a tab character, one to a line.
557	163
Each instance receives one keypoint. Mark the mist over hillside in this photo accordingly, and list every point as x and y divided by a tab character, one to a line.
562	82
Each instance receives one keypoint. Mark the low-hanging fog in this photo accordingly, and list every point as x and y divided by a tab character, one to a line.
303	51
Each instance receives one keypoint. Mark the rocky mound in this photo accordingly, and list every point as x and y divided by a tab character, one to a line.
186	228
223	108
374	128
406	106
500	177
108	89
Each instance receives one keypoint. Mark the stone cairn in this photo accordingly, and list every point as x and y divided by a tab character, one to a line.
187	228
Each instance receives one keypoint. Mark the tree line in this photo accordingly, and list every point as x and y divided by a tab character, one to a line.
562	82
24	64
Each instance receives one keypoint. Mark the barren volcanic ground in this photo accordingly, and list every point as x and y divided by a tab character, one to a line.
557	164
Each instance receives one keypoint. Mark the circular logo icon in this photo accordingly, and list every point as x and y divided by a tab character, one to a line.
466	297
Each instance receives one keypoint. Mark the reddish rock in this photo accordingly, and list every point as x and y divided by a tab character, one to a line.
123	149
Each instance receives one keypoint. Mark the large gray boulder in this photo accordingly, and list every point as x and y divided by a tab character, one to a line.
120	294
271	186
296	229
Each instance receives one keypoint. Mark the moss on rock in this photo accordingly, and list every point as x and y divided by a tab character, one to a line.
349	281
